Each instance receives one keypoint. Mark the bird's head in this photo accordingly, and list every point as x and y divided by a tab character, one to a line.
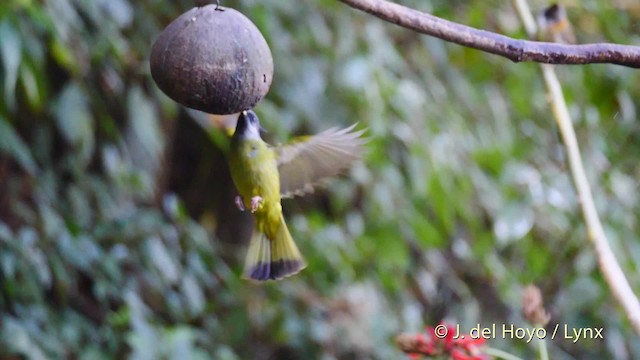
248	126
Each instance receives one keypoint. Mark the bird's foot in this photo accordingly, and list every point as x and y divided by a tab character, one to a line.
256	201
239	203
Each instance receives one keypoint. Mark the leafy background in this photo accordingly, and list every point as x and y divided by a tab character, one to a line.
118	234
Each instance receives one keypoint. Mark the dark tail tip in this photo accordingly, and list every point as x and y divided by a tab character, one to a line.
275	270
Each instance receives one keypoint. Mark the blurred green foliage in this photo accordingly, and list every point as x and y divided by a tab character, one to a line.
118	233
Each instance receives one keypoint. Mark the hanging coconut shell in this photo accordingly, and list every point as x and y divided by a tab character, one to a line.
212	59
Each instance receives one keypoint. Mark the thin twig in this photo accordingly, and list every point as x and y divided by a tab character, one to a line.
514	49
609	266
542	349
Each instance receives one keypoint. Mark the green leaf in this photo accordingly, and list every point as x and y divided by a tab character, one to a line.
427	234
11	143
74	120
11	50
20	340
193	294
391	248
179	343
163	260
144	135
442	199
64	56
31	89
513	222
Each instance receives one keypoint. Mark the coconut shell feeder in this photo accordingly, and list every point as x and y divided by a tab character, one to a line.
212	59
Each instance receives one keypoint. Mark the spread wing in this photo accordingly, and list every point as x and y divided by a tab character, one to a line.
307	160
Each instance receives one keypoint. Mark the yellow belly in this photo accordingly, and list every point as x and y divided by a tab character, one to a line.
255	173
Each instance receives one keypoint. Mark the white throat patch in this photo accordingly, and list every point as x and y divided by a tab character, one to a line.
252	132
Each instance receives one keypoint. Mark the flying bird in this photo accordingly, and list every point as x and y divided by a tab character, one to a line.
263	174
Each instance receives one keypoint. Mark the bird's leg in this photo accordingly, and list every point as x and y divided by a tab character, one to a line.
239	203
256	201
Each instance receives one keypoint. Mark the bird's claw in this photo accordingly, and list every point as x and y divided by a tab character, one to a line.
239	203
256	201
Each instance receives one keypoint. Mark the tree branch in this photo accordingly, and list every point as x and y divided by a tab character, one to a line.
514	49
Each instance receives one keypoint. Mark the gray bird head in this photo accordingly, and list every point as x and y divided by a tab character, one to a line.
248	126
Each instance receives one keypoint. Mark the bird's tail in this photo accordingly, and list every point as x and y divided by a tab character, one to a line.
272	259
